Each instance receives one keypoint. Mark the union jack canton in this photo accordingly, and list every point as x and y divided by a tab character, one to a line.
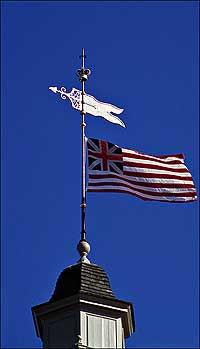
104	156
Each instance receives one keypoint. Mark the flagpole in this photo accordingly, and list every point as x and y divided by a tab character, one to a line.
83	76
83	125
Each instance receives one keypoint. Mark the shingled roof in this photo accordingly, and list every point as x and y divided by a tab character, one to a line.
82	278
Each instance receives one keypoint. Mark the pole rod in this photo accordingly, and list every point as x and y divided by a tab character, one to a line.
83	125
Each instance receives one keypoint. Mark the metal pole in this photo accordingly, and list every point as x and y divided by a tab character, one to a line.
83	246
83	76
83	201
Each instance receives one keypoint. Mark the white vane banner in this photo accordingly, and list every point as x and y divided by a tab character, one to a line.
91	105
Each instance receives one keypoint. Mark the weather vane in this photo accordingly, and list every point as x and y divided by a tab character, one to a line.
87	104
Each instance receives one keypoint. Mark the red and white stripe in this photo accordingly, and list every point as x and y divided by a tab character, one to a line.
161	178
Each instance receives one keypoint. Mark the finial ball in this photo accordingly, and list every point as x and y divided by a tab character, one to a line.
83	248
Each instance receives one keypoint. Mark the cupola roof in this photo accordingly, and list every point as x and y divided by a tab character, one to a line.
84	278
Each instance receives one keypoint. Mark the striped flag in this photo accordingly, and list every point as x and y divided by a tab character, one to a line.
160	178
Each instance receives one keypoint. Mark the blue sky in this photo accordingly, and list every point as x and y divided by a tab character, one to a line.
144	58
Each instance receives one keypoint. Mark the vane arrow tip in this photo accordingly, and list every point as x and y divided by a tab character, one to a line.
53	89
